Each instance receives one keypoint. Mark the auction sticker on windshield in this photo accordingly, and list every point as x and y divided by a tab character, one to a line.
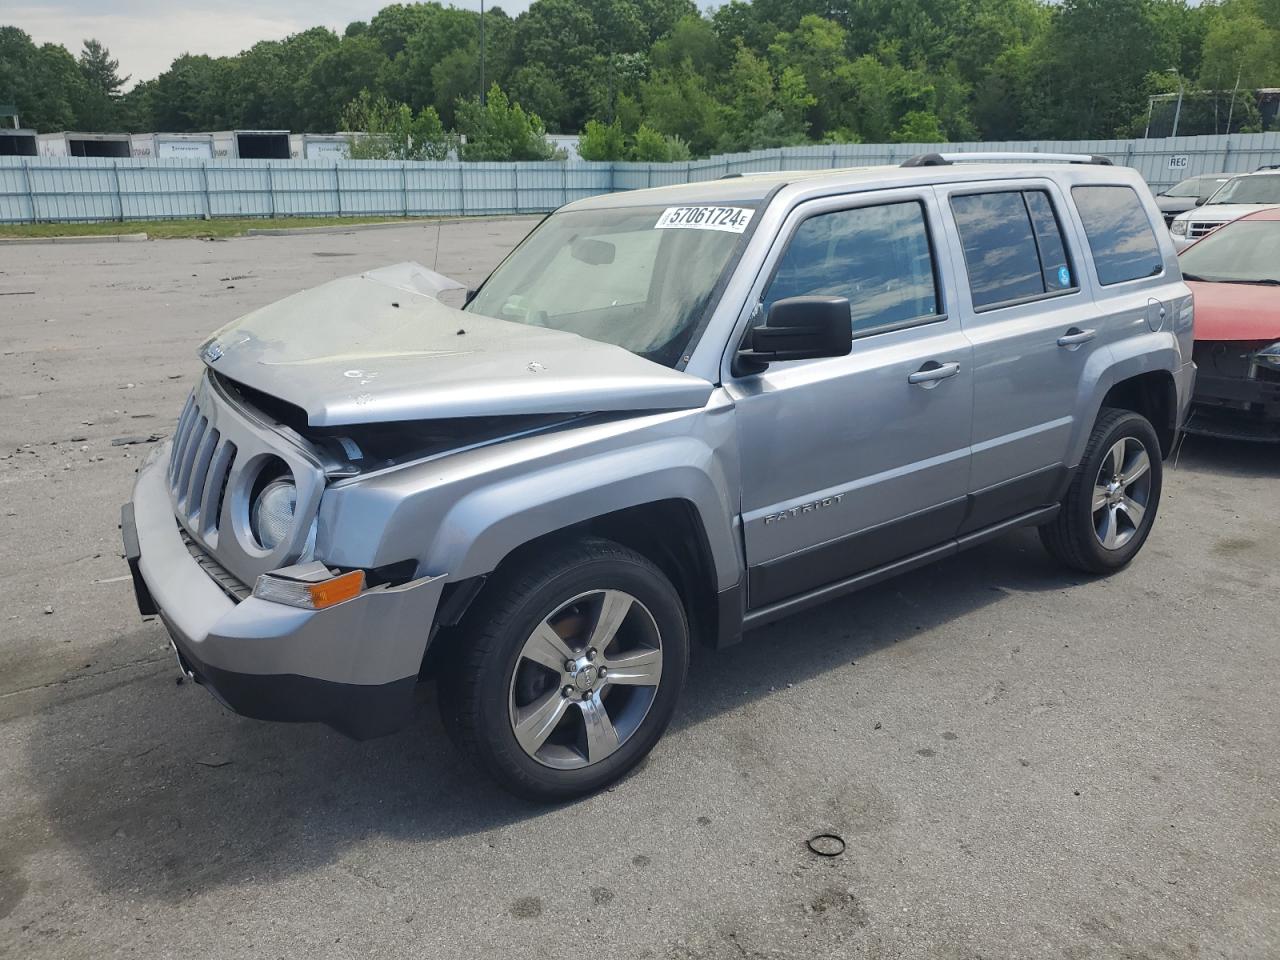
728	219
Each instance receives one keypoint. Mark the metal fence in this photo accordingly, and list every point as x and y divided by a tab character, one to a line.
67	189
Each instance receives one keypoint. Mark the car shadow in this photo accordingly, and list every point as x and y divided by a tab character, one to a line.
1237	458
163	794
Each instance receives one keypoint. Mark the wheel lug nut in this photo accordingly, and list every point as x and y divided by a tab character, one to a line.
567	692
570	666
591	654
603	671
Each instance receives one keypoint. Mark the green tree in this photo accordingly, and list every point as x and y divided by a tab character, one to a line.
536	88
650	146
678	102
1240	49
100	70
1094	64
816	49
393	132
919	126
45	83
501	130
603	141
335	78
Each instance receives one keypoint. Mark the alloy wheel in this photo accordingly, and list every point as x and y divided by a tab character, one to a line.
585	679
1121	493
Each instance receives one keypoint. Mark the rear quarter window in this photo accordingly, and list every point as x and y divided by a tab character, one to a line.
1120	236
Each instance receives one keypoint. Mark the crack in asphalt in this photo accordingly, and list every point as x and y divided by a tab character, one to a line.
87	676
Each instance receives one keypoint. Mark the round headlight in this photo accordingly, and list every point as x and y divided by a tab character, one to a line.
1178	228
272	516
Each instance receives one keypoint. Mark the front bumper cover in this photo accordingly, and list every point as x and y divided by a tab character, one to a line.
352	666
1234	398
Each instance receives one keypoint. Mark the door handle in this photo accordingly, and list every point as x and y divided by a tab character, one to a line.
932	372
1075	336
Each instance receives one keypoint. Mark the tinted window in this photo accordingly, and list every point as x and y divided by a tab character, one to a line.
1055	267
1120	236
877	257
1013	248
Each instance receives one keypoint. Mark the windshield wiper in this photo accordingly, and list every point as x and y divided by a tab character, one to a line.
1262	281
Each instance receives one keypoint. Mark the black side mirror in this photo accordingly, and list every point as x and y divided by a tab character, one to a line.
800	328
1201	201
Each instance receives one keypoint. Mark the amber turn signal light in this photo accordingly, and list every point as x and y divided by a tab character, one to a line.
311	595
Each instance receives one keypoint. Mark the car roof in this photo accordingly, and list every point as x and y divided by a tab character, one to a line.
754	187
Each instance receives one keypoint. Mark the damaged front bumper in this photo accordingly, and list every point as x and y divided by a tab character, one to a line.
1234	398
353	666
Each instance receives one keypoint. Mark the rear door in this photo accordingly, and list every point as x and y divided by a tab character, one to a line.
1026	305
849	463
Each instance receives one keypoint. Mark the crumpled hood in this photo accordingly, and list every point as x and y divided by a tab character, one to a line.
381	347
1236	311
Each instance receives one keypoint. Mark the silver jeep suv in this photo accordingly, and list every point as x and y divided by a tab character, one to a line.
670	414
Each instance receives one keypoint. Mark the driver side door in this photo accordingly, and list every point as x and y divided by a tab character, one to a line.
852	463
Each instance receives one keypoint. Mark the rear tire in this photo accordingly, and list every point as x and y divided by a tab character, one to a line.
568	670
1111	504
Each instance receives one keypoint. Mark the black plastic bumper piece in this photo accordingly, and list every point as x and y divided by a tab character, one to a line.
360	711
129	532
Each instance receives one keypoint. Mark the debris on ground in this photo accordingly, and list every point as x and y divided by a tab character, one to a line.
214	762
826	844
132	441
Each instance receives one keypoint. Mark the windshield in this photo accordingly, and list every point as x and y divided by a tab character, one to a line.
1247	251
1187	188
640	278
1196	187
1255	188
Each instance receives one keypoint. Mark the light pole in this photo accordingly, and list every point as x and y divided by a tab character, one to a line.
1177	111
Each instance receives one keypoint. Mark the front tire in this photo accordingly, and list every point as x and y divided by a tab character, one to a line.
568	671
1111	504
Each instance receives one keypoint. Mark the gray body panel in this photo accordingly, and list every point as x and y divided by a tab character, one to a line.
803	477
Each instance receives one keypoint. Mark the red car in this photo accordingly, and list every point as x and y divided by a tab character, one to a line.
1234	274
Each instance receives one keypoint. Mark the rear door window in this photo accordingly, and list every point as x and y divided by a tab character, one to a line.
878	257
1120	235
1013	247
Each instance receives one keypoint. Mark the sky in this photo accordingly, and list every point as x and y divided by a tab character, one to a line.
146	35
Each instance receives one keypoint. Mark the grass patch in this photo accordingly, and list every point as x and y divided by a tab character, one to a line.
169	229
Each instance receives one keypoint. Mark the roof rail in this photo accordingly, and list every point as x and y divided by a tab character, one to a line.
1268	166
946	159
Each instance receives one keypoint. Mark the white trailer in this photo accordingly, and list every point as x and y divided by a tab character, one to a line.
172	146
568	142
320	146
18	143
115	145
251	144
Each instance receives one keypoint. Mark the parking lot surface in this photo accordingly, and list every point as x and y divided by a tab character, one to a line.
1021	763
